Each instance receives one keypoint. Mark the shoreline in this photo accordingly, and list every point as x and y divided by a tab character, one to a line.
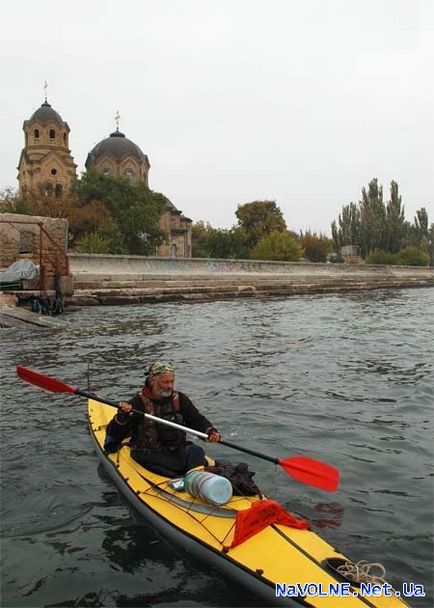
103	280
209	293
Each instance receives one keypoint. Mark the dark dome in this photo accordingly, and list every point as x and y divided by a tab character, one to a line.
117	146
46	114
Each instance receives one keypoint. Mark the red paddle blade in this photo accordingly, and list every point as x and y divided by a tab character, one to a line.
312	472
45	382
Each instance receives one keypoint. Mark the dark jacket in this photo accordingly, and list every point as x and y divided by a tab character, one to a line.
125	425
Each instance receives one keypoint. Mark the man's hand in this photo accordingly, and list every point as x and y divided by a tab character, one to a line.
213	435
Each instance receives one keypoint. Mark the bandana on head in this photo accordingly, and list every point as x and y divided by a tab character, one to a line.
159	367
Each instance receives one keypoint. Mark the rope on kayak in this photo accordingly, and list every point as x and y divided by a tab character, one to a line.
152	491
361	572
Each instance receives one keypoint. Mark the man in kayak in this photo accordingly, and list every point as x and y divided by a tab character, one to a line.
160	448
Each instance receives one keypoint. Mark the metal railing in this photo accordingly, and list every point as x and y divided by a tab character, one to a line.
60	261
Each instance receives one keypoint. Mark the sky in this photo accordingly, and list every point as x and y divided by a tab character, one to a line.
298	101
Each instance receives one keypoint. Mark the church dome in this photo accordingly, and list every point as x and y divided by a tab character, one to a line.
45	114
118	147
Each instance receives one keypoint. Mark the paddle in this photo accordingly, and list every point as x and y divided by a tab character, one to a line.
304	469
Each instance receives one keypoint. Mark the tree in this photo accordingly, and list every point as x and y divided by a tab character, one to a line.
12	202
259	219
348	232
278	245
209	242
395	221
431	244
421	221
418	234
376	226
421	226
132	205
372	219
87	219
82	219
199	239
38	202
316	247
223	243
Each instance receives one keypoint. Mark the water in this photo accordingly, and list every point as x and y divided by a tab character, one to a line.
346	379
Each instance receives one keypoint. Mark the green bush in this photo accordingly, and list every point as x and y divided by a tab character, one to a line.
335	258
381	257
316	247
277	245
94	243
411	256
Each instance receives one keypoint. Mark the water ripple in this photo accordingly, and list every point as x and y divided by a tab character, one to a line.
344	378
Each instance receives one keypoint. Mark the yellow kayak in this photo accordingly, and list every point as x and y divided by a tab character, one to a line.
282	565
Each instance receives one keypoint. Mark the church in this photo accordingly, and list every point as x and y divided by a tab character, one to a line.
46	165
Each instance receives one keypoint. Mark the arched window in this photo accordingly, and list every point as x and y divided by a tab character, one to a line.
129	174
48	189
58	190
52	133
107	171
64	139
174	250
53	171
27	138
36	133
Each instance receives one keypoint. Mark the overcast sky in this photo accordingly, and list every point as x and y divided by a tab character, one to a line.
298	101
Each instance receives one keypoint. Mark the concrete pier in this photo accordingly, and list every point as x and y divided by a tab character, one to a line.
119	279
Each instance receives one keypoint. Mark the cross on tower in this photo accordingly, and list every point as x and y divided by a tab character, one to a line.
117	117
45	90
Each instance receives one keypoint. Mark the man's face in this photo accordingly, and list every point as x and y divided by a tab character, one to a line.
162	385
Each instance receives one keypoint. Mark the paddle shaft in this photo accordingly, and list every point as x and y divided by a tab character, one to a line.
252	452
154	418
303	469
178	426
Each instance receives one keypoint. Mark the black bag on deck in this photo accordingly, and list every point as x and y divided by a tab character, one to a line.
239	476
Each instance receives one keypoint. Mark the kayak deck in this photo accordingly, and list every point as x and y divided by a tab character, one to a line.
276	555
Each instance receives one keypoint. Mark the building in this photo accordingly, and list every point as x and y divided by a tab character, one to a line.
118	155
46	166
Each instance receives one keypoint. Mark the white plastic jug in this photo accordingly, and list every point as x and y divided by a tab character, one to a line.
209	487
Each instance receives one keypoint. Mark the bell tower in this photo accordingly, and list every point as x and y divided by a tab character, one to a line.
46	165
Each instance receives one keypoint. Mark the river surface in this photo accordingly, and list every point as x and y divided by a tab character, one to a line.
343	378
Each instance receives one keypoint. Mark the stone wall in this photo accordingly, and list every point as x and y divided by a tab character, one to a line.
43	240
133	266
113	279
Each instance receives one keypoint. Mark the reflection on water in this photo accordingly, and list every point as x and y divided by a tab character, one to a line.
342	378
395	373
328	515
